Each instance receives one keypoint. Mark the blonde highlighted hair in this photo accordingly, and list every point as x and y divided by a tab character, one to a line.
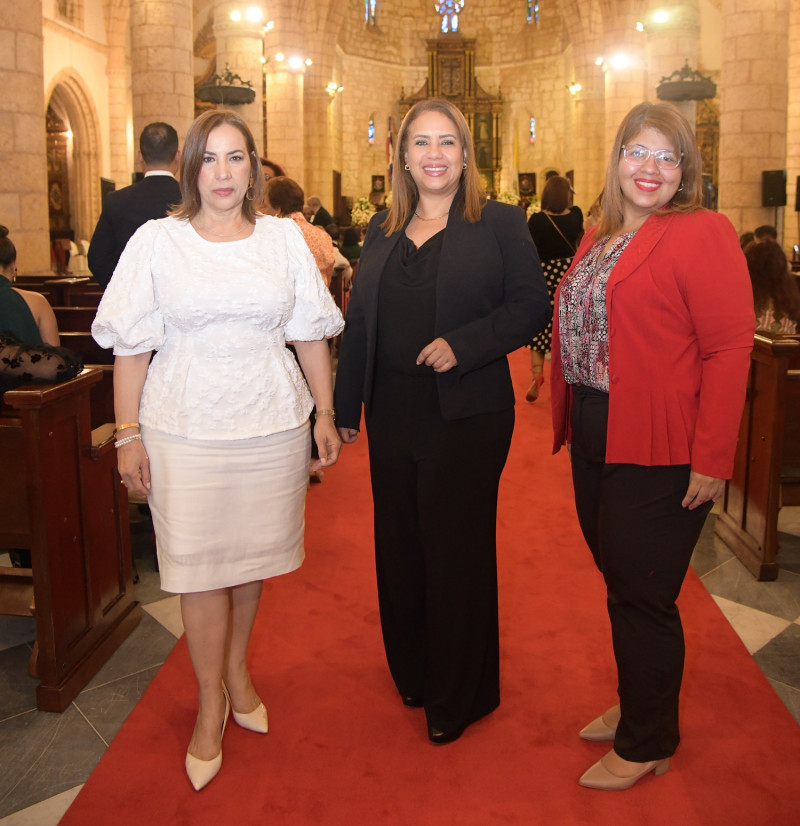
404	191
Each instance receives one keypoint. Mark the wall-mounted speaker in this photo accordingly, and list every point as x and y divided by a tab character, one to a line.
773	188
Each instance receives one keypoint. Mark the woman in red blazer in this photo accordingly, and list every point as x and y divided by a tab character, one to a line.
651	347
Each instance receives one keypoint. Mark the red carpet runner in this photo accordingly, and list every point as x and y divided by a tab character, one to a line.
342	749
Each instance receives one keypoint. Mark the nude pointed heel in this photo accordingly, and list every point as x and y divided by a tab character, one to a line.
202	772
255	720
600	730
599	777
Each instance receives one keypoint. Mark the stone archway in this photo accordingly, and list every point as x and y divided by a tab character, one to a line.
69	98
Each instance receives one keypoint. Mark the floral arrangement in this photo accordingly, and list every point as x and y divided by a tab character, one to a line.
534	206
363	209
506	196
388	199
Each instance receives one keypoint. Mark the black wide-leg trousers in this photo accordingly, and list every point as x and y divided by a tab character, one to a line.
434	486
642	541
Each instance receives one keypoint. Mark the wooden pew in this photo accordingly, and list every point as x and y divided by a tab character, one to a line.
63	291
75	319
766	472
62	499
94	355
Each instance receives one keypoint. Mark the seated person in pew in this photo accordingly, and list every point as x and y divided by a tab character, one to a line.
775	290
24	364
24	314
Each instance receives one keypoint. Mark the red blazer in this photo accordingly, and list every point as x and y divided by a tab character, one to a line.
680	326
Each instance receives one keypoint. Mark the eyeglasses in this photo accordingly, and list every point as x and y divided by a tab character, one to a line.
638	155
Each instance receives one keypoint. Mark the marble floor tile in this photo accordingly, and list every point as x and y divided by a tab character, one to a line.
168	613
147	646
710	552
47	813
106	707
16	631
755	628
733	581
17	688
44	754
790	696
789	552
779	659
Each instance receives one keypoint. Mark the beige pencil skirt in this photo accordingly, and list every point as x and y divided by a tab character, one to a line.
227	512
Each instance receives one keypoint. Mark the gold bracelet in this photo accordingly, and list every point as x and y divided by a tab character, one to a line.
125	426
327	412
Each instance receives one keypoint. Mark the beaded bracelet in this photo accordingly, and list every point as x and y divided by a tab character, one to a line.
120	442
327	412
125	426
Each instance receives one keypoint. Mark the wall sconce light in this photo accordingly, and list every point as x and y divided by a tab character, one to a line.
599	61
252	14
660	16
574	88
333	88
295	62
639	26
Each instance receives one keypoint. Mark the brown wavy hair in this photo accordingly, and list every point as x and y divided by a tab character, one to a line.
404	191
773	284
668	121
192	160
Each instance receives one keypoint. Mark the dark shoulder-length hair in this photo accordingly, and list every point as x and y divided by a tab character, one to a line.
667	120
773	284
194	148
557	194
404	190
8	252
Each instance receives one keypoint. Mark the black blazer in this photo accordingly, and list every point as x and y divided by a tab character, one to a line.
124	211
322	218
491	299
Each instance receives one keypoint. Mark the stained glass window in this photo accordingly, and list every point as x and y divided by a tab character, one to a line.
369	11
449	10
533	11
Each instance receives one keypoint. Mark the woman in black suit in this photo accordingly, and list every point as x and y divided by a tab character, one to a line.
448	284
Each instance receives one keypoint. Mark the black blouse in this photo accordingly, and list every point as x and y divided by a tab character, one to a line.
407	306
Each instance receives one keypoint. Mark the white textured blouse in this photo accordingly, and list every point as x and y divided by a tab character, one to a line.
218	315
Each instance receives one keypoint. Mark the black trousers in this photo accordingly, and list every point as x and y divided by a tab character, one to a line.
434	486
642	541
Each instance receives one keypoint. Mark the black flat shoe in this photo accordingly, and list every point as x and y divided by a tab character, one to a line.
439	738
413	702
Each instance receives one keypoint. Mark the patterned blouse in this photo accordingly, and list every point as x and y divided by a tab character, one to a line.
766	322
582	318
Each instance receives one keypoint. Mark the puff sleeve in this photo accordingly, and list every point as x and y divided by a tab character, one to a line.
128	318
315	315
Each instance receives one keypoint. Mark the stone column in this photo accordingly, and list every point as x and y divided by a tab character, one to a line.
240	45
792	228
624	66
319	146
753	94
23	184
162	78
670	45
588	108
286	121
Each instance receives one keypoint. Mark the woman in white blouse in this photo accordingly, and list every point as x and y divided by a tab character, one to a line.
215	430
